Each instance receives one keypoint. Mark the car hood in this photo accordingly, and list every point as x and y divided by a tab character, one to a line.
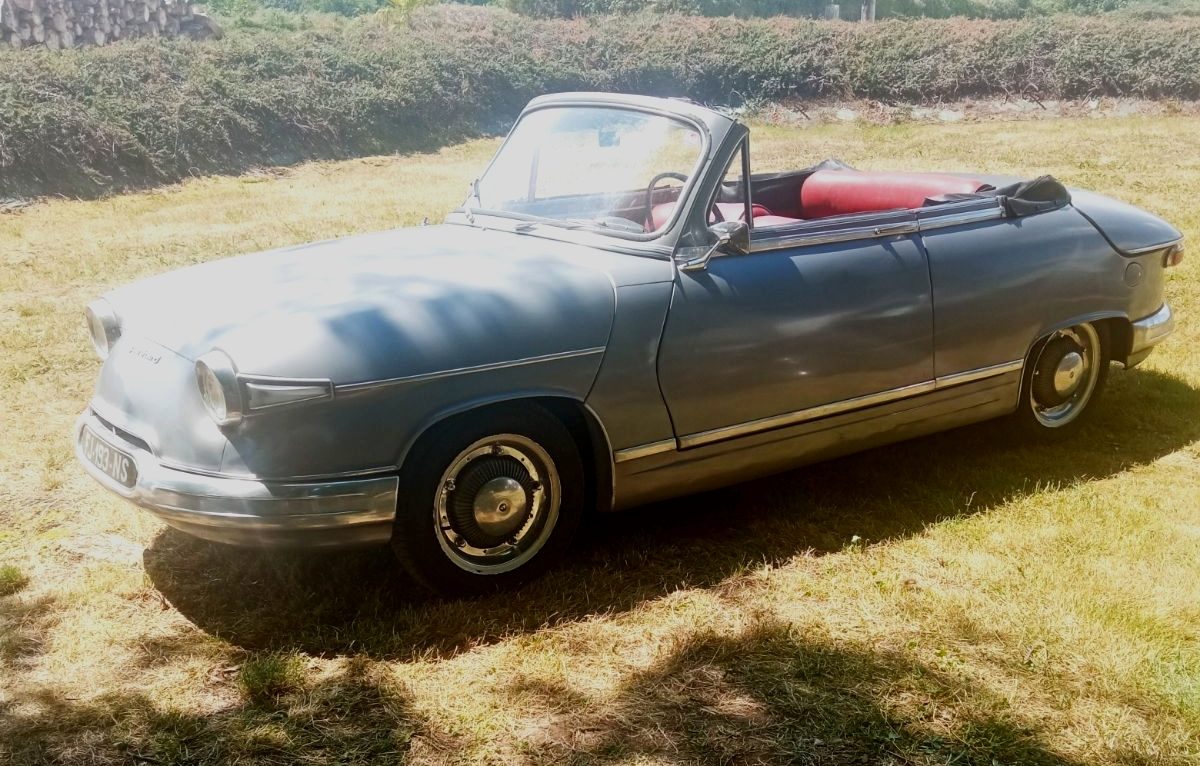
379	306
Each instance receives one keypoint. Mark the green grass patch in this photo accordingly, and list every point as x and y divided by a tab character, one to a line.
12	579
271	675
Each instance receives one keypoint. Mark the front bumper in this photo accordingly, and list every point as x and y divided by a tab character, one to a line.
306	514
1149	332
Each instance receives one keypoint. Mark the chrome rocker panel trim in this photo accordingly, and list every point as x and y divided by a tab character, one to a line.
1149	332
846	405
251	512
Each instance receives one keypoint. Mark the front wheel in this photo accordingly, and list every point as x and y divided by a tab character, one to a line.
488	500
1064	376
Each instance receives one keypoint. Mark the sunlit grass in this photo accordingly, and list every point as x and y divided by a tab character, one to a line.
959	599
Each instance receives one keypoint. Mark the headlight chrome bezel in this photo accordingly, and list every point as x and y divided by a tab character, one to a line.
230	396
216	374
104	327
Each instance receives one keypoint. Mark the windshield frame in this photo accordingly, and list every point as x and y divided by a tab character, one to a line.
685	192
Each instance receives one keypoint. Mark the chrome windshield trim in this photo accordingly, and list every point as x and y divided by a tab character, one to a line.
644	450
970	376
1152	248
346	388
846	405
685	191
832	236
935	219
1153	329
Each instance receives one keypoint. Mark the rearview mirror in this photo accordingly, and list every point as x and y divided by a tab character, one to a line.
733	237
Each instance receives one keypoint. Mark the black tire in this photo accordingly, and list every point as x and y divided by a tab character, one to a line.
423	532
1031	420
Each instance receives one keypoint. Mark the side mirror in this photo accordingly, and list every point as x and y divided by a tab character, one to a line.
733	237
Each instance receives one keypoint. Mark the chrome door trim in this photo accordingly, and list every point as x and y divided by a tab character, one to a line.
953	215
846	405
644	450
970	376
346	388
833	236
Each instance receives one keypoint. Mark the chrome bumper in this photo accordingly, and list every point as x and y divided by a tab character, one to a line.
1149	332
304	514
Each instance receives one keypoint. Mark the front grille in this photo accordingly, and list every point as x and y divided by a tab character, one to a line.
123	434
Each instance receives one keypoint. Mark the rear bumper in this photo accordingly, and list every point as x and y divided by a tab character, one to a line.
305	514
1149	332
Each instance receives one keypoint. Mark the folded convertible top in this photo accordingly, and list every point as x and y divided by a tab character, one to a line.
1037	196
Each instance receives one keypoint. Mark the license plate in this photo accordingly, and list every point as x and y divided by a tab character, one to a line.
112	461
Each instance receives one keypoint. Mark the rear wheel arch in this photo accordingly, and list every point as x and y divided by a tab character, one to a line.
1022	418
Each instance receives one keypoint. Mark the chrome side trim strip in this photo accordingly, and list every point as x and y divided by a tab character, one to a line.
935	221
833	237
346	388
1151	330
644	450
970	376
1152	248
846	405
800	416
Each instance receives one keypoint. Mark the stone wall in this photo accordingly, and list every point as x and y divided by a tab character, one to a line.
73	23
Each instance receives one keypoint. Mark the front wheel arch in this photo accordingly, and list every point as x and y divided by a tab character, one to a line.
584	425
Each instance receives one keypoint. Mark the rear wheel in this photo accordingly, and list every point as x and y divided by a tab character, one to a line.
1064	377
488	500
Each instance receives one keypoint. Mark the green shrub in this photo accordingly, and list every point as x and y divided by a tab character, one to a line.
90	121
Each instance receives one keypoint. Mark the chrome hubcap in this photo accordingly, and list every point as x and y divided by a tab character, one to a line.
1065	373
1069	373
498	504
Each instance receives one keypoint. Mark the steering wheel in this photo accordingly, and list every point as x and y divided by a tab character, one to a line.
650	194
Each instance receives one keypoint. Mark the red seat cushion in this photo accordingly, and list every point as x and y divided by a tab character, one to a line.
840	192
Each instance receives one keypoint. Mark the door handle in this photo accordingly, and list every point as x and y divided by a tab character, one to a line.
896	228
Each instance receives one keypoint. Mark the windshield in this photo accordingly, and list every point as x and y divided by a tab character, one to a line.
616	169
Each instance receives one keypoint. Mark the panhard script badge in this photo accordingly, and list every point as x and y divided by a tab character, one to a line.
145	354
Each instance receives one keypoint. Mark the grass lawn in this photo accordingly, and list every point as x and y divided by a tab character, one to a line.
961	599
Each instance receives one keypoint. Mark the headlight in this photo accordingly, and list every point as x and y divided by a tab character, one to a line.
103	326
217	378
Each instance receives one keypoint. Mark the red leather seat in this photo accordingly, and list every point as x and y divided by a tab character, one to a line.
840	192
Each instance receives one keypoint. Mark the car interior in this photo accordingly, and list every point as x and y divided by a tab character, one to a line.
781	199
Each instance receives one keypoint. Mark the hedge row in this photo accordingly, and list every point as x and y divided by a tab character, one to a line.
86	122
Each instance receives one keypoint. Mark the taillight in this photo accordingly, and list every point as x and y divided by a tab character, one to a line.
1173	256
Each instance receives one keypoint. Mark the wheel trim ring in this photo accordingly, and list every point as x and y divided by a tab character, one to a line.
543	513
1066	412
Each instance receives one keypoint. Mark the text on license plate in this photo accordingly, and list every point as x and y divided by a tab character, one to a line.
108	458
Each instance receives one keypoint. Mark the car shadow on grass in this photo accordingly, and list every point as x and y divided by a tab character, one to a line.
770	692
362	603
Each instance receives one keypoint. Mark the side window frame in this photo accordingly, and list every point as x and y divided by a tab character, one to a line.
743	149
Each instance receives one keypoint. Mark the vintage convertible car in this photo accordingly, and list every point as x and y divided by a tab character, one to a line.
620	312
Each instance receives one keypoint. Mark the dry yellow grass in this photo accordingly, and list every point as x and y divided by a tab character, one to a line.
959	599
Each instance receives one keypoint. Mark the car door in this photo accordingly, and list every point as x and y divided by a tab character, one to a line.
819	317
